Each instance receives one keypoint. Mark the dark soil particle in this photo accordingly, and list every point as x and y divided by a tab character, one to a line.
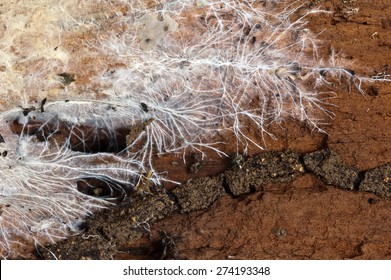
199	193
259	170
378	181
329	167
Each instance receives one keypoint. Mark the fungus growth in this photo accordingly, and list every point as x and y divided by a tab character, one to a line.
92	91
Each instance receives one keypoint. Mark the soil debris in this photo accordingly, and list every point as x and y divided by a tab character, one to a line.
136	130
329	167
199	194
268	167
124	231
122	224
378	181
168	247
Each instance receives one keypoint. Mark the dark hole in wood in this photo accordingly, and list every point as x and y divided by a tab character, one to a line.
104	188
81	138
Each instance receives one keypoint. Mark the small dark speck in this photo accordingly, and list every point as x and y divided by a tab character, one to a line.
144	107
26	111
322	73
372	200
43	104
351	72
372	91
81	226
67	78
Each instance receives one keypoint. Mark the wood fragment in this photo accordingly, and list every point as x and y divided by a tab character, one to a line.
136	130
